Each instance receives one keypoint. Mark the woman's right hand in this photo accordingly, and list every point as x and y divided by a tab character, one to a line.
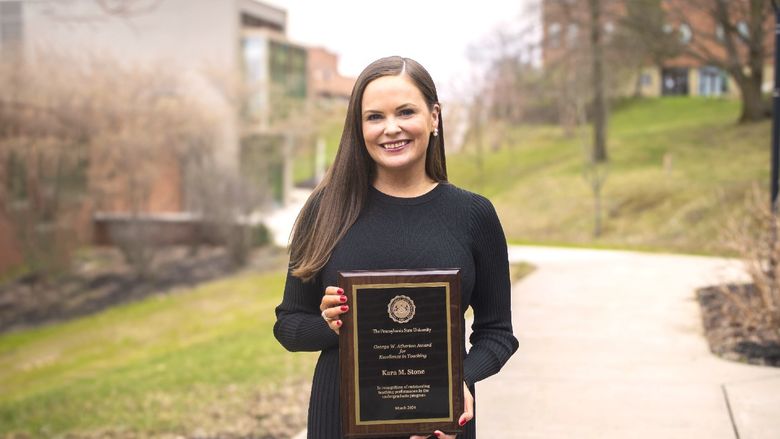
333	305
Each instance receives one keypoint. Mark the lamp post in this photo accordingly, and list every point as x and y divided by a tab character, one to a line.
776	113
775	152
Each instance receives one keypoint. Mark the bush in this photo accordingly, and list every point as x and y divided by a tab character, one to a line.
755	236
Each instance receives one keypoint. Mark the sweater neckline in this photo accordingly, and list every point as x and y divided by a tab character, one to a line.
406	201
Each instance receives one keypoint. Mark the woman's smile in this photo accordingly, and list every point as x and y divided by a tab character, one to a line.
396	145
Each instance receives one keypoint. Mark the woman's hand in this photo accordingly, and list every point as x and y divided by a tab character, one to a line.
468	414
333	305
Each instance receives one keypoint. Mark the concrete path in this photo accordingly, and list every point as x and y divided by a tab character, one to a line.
280	221
611	346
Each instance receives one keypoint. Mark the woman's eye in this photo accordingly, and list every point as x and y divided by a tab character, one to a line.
373	117
407	112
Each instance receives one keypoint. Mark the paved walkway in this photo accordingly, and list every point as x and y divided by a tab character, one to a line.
611	346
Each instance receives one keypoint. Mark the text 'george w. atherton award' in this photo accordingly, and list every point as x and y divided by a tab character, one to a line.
400	353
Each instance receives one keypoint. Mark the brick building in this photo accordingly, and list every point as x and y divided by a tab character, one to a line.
325	81
565	27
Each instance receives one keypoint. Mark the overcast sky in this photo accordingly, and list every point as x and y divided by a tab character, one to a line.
436	33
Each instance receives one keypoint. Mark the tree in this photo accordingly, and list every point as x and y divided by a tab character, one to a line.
89	136
596	169
643	36
734	36
599	98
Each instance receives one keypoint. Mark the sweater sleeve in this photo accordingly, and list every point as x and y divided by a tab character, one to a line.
299	325
492	341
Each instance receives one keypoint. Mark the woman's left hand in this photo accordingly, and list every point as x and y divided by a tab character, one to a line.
468	414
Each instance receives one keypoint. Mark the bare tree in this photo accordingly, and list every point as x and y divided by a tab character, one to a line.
599	98
750	235
70	11
583	97
91	136
643	36
43	149
734	36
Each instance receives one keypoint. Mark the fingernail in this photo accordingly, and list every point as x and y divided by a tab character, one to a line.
338	323
462	422
343	299
437	434
341	291
344	307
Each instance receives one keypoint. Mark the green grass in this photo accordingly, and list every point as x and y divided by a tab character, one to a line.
536	178
159	365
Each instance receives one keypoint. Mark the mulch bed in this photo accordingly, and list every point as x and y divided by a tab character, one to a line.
101	279
728	334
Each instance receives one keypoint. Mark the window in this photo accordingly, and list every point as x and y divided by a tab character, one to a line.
686	34
10	22
720	34
743	29
645	80
572	33
712	81
16	177
554	34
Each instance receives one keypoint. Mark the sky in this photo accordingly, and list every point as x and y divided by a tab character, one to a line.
436	33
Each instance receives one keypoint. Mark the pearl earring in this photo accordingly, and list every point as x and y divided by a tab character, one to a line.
435	132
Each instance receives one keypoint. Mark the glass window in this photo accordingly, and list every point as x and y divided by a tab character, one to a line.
743	29
712	81
572	32
720	34
554	34
686	34
16	177
10	22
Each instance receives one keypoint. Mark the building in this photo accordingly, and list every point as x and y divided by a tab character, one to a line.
325	81
565	27
243	38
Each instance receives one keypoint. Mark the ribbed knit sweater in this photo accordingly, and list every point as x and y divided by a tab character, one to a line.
447	227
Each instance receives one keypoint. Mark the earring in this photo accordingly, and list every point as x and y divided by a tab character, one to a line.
435	132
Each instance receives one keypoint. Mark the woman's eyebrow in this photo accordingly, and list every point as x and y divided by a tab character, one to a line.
408	104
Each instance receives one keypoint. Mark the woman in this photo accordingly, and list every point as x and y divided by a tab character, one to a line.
386	204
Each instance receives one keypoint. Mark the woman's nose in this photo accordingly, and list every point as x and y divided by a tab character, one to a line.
392	127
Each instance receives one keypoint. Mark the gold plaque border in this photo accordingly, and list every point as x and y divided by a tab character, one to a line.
355	288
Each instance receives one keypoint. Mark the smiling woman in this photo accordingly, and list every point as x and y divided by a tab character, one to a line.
386	204
397	127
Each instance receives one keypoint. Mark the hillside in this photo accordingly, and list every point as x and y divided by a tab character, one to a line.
679	167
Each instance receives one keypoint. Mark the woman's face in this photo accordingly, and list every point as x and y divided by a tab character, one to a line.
397	124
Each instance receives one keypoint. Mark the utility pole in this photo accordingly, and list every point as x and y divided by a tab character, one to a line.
776	112
775	150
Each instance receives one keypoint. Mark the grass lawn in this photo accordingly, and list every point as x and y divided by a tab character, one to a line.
162	365
679	167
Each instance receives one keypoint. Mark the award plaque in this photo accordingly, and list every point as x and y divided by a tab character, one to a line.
400	353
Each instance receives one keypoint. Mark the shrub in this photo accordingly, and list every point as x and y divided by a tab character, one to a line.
755	236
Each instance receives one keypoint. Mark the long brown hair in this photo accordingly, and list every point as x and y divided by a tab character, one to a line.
337	201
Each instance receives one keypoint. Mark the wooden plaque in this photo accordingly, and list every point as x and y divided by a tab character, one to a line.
401	353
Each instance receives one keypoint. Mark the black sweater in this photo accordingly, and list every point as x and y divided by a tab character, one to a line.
445	228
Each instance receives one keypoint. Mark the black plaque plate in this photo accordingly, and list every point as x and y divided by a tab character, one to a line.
400	353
